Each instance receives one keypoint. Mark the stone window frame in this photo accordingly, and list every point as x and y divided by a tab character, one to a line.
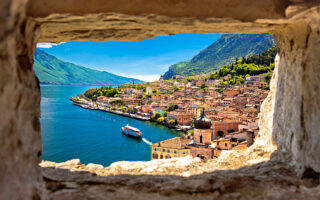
294	34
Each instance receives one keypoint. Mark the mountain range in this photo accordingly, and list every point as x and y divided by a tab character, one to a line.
51	70
223	51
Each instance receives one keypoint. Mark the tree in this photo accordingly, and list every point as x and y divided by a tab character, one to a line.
268	78
172	122
160	119
157	115
203	86
243	60
191	132
117	102
172	107
176	88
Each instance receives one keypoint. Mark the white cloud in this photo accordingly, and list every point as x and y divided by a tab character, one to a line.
47	45
146	77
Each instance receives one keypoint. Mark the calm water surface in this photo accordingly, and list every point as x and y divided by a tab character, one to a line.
93	136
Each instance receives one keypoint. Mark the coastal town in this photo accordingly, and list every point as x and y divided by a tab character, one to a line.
211	121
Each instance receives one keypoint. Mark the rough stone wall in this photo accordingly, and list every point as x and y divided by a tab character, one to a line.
296	120
139	20
236	9
266	180
290	114
20	141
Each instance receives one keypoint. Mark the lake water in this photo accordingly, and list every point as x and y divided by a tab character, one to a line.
93	136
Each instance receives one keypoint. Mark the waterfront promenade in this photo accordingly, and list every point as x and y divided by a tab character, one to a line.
99	106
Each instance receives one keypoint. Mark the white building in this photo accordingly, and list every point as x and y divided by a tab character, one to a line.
148	90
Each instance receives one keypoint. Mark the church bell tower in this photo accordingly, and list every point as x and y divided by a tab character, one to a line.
202	129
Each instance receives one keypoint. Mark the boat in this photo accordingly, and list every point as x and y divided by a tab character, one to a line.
131	131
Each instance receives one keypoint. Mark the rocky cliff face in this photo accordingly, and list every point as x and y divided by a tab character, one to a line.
289	119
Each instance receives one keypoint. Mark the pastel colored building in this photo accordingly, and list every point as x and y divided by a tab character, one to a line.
182	117
174	147
221	128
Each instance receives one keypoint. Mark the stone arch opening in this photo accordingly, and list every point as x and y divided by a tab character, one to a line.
289	115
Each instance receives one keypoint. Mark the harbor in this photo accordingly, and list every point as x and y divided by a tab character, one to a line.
83	103
93	136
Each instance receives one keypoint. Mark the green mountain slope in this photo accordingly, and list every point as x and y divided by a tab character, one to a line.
51	70
224	51
262	64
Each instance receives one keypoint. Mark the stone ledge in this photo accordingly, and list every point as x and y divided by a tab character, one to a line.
267	180
185	166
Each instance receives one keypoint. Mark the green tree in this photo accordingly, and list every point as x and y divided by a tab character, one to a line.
172	122
172	107
160	119
203	86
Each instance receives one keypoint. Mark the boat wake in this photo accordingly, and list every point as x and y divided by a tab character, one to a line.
146	141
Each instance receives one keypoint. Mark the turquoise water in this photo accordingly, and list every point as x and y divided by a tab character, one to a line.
93	136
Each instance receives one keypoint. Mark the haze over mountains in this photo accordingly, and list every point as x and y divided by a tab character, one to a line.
224	51
51	70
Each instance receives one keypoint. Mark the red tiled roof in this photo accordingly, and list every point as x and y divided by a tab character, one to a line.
173	143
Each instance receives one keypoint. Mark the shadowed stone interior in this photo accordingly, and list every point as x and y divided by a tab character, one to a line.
289	118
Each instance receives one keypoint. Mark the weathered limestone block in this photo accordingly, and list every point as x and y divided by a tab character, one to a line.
296	120
102	20
268	180
20	140
244	10
266	116
185	166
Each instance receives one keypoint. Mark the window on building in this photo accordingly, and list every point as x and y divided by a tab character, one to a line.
161	156
168	156
155	156
200	138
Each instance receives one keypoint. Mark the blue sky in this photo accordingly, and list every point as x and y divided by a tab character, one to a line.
146	59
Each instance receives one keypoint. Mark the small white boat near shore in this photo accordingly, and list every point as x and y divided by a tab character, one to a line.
131	131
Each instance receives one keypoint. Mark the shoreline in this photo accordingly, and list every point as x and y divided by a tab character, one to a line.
86	105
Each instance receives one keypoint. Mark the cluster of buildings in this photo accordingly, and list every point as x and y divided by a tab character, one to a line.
203	144
229	115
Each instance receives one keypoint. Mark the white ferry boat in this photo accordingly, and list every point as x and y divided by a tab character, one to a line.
131	131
